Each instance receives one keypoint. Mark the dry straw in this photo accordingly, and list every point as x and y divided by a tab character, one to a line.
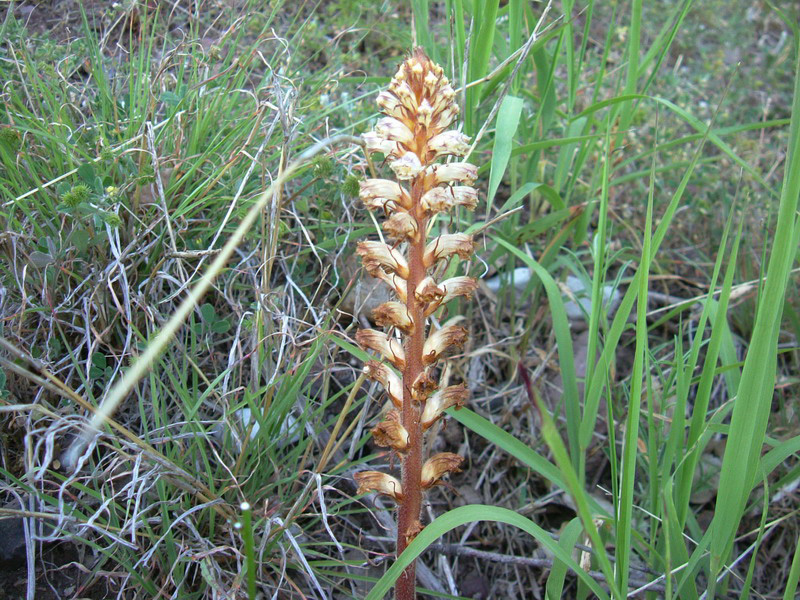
419	106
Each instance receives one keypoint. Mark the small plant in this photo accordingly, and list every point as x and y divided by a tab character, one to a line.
419	106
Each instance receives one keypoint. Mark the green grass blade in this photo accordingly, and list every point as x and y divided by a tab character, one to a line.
624	524
555	580
469	514
507	122
752	408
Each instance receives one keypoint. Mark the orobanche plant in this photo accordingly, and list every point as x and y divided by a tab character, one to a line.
419	107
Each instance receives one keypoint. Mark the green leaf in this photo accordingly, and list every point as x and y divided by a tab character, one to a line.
99	360
208	313
80	238
477	513
507	123
86	174
221	326
752	407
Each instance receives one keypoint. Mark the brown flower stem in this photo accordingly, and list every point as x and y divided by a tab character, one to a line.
409	510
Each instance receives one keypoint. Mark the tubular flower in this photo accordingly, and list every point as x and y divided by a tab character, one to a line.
449	142
390	349
391	433
393	130
394	314
454	395
401	226
458	286
380	483
449	289
377	255
384	194
376	143
447	245
455	171
440	340
428	291
438	465
418	108
387	378
407	166
441	199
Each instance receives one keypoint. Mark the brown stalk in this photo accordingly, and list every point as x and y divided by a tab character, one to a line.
408	523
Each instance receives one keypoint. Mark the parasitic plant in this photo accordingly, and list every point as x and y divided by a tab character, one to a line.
418	107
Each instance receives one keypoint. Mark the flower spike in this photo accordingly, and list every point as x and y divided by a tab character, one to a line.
418	108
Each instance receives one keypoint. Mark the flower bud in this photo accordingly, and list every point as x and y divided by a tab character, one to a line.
388	379
455	171
390	349
391	433
440	340
449	142
454	395
400	88
380	483
431	83
438	465
394	314
447	112
425	113
378	256
446	246
407	166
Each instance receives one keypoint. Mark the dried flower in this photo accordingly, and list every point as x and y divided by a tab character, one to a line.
454	395
391	433
441	340
438	465
381	483
377	255
390	349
